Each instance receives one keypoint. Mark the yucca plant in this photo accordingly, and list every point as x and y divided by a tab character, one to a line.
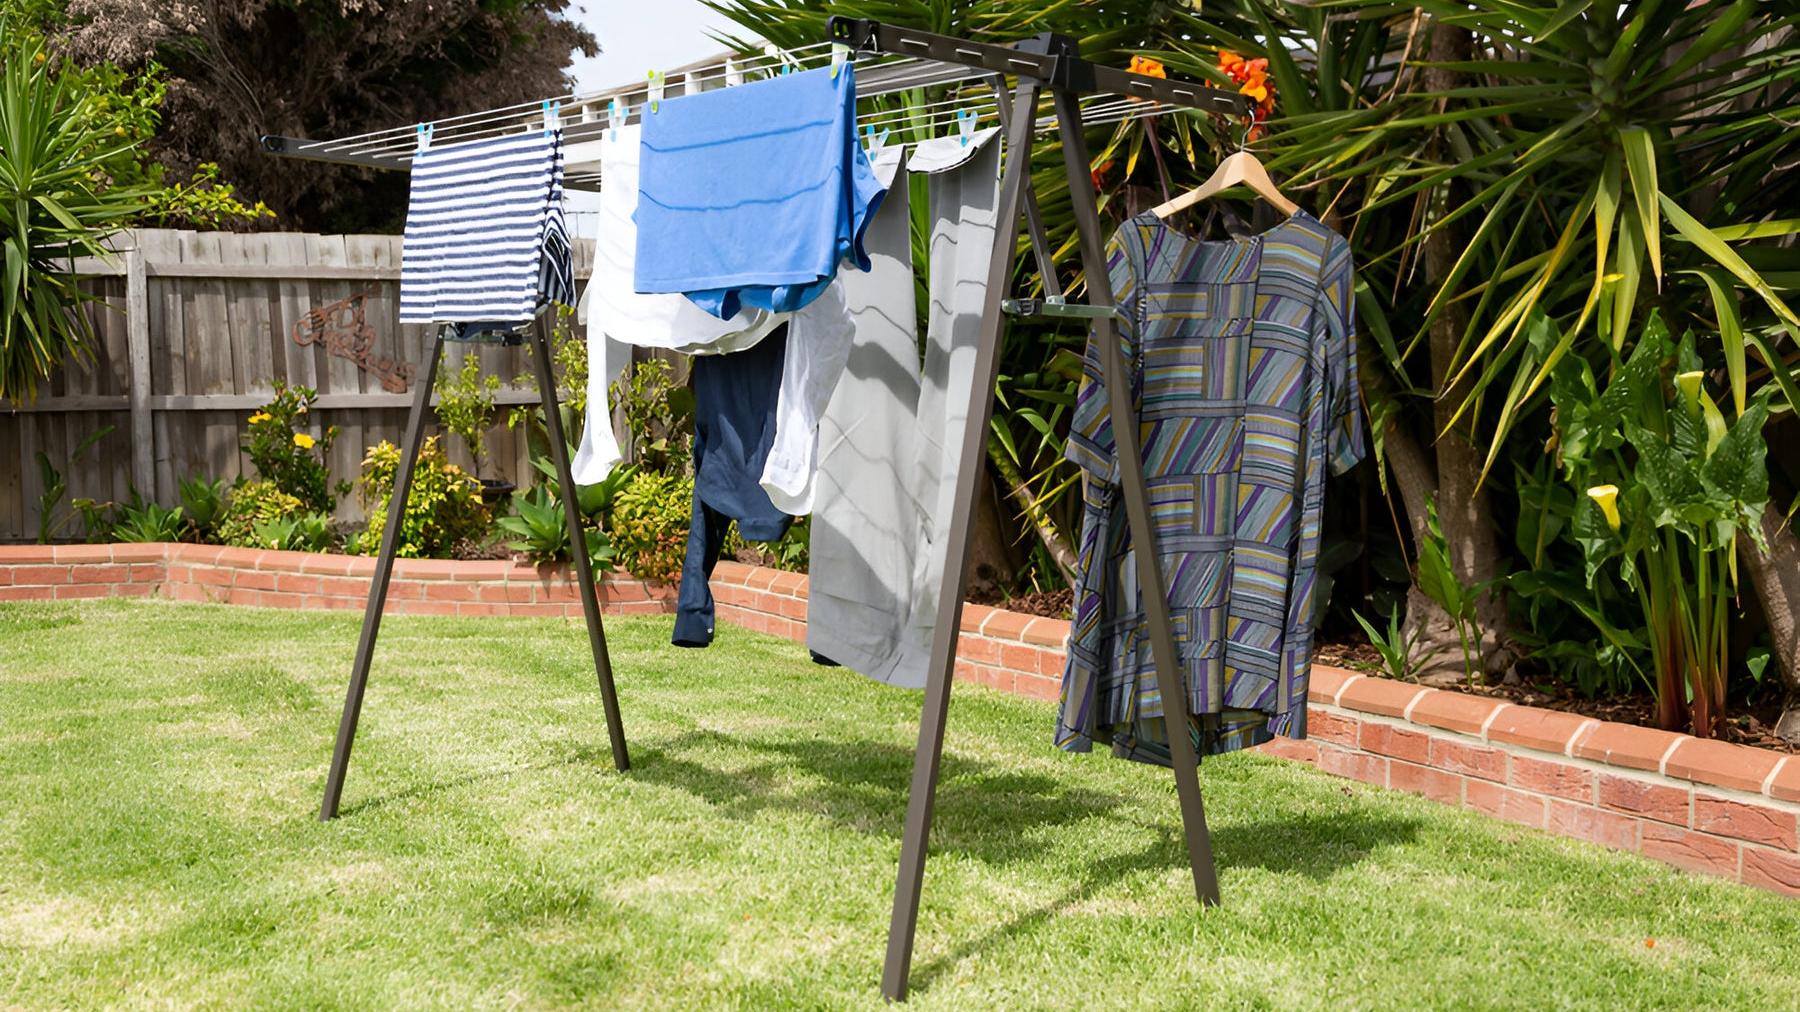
56	204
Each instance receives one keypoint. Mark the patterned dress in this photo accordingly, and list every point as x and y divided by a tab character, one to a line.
1244	377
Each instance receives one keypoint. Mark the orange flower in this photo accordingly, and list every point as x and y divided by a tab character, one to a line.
1147	67
1229	61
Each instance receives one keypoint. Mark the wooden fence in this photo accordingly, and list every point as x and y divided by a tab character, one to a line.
195	329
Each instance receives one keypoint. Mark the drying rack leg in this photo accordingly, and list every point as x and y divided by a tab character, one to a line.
922	796
584	567
378	586
1137	509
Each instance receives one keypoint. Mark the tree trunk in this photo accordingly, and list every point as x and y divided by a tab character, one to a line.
1434	651
1462	504
1775	577
1033	513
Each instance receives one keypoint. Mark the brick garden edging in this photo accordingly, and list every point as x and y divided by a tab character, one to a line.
1709	806
183	572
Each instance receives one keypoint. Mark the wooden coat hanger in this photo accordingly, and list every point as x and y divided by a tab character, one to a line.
1241	168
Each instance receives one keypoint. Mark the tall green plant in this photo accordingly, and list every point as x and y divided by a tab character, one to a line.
56	204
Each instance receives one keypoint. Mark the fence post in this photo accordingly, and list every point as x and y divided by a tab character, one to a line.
137	344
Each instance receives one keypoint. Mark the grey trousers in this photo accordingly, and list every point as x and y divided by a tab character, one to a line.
891	436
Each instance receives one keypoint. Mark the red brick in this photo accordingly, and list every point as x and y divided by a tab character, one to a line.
26	593
760	578
1506	803
1356	765
250	579
624	590
1005	625
328	565
1289	748
732	572
643	608
1637	797
211	576
451	591
1454	711
1047	632
294	583
790	607
1019	658
140	553
40	576
479	609
100	574
1545	730
425	607
280	562
791	584
1051	663
15	554
242	558
425	569
344	586
1398	743
1638	748
81	591
1385	696
1608	829
1693	851
1744	821
148	572
206	555
1470	760
82	554
1563	780
1765	868
1786	784
1334	727
276	599
477	570
978	649
133	589
1434	784
1324	683
1034	687
1723	764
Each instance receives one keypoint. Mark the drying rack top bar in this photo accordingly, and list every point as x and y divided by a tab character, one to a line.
888	59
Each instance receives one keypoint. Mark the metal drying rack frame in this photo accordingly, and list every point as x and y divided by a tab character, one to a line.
1047	64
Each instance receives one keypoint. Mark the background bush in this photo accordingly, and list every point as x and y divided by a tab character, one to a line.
443	509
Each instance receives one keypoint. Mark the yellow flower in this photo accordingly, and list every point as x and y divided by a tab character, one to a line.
1689	384
259	418
1607	498
303	441
41	57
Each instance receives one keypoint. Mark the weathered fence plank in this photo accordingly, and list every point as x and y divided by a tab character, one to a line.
193	332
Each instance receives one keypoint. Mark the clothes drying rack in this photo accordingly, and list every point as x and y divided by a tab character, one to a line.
1046	66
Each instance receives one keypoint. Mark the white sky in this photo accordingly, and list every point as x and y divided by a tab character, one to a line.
639	35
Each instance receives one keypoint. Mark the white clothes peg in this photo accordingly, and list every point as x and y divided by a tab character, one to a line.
734	74
875	141
425	136
615	115
552	117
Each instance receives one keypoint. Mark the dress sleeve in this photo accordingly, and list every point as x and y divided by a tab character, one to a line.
1343	396
1091	445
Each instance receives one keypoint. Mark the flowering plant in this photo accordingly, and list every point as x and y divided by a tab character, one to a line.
1252	79
285	455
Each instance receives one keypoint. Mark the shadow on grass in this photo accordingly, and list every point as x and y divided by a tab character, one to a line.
1316	846
983	809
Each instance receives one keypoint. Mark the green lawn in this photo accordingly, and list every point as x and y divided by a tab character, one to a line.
160	767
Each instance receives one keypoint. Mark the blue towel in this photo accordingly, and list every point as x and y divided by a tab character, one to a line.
751	196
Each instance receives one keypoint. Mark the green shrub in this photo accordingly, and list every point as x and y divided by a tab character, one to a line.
650	524
302	532
294	460
443	510
466	405
252	503
541	532
204	503
145	522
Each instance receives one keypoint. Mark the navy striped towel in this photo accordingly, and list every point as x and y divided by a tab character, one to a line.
485	237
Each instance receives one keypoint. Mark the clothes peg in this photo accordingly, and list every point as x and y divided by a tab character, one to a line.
425	136
614	116
657	80
965	125
734	74
839	53
875	141
552	117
